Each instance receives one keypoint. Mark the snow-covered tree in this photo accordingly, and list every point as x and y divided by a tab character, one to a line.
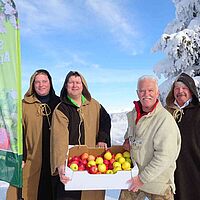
181	44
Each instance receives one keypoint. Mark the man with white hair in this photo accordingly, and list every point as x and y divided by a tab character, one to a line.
153	139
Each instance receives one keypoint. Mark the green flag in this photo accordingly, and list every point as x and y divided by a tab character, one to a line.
10	96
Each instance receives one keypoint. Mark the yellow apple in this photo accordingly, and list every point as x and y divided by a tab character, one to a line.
116	164
99	160
121	160
117	156
102	168
128	160
126	154
109	171
91	163
116	169
74	167
126	165
108	155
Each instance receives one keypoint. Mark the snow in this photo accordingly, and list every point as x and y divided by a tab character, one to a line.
3	189
180	42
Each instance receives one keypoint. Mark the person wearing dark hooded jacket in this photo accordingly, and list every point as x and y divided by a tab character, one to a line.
183	103
37	108
77	120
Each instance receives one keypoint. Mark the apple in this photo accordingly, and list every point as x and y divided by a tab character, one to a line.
126	165
75	162
68	164
74	167
108	155
116	169
81	167
110	166
84	156
109	171
117	156
91	157
116	164
91	163
77	158
112	160
99	160
93	169
128	160
84	162
126	154
106	162
121	160
102	168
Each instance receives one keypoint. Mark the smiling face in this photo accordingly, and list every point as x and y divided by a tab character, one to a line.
74	87
181	93
148	93
42	84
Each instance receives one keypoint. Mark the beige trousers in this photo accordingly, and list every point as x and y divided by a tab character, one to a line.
140	195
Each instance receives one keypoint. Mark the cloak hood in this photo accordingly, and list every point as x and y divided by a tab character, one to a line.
189	82
30	94
85	92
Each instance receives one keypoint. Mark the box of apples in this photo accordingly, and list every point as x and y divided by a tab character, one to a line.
99	169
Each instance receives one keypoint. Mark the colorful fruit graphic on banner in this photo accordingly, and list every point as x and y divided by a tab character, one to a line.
4	139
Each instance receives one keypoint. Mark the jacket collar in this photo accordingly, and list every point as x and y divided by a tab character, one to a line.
140	112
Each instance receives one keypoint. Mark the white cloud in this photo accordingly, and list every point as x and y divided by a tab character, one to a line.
42	16
39	17
117	21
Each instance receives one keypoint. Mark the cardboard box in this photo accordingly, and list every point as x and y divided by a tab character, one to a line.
82	180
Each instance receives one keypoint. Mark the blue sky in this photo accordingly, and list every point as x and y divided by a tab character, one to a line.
108	41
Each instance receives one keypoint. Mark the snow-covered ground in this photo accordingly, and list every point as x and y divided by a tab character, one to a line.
3	189
119	125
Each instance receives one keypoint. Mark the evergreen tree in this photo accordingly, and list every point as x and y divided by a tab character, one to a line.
181	44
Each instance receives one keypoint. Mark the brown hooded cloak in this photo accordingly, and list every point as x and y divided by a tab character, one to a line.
36	118
72	125
187	174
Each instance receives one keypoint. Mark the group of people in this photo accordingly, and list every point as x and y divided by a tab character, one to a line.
163	141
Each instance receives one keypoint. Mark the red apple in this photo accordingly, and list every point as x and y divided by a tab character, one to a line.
112	160
81	167
93	169
68	164
77	158
110	166
106	162
75	161
84	162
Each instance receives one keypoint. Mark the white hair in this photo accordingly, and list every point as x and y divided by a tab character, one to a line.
148	77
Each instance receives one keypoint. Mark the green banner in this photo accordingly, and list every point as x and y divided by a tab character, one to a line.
10	96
